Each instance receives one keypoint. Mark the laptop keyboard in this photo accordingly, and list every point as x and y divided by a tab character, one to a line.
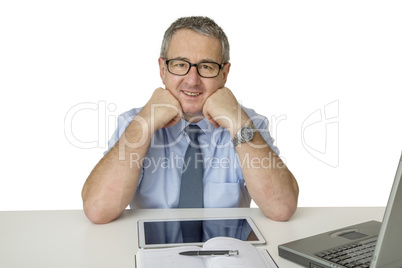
354	255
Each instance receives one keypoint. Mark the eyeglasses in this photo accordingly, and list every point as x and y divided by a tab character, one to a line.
204	69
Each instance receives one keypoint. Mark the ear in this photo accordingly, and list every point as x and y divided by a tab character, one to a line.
162	69
225	72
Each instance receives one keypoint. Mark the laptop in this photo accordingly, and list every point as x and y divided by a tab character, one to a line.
370	244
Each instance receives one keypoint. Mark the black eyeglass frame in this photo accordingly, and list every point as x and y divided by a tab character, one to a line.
196	67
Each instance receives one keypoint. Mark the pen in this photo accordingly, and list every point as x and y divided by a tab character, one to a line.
211	253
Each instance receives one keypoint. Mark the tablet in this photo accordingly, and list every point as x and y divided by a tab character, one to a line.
170	232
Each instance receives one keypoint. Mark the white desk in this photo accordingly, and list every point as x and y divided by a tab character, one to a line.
67	239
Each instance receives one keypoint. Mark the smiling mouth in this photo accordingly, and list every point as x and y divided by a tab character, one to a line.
191	94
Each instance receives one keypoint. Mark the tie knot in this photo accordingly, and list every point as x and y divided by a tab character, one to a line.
193	131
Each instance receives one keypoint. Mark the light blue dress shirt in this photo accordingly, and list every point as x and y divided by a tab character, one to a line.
159	182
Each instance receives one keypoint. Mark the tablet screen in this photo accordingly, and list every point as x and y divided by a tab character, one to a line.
159	233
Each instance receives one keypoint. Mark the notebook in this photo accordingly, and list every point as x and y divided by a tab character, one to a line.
248	256
370	244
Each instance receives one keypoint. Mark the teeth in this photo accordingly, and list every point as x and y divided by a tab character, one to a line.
191	93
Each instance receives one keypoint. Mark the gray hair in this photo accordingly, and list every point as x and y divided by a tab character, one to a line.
201	25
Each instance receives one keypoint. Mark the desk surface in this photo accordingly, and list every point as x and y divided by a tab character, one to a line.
68	239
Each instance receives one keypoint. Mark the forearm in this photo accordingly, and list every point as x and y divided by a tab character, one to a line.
269	182
113	182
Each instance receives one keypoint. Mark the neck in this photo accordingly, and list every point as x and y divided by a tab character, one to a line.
193	118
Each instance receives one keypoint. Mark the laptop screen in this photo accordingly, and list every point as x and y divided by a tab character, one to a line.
387	253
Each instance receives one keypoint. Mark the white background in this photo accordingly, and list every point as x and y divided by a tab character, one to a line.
326	73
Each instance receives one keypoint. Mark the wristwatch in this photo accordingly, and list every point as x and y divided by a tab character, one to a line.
245	134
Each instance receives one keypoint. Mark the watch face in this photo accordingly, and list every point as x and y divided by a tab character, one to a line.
247	133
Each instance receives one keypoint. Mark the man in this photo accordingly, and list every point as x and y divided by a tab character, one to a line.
146	159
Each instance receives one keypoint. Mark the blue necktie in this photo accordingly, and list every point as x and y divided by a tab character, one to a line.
191	189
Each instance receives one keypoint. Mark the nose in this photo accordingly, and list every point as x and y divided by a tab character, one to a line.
192	77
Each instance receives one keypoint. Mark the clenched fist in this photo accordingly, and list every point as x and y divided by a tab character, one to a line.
162	110
222	109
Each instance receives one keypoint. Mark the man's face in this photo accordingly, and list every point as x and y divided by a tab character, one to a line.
191	89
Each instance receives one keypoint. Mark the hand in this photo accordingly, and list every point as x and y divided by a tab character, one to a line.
222	109
162	110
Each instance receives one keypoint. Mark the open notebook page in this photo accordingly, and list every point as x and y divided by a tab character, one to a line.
249	256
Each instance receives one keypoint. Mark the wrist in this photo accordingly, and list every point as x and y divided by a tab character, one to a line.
239	122
143	121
